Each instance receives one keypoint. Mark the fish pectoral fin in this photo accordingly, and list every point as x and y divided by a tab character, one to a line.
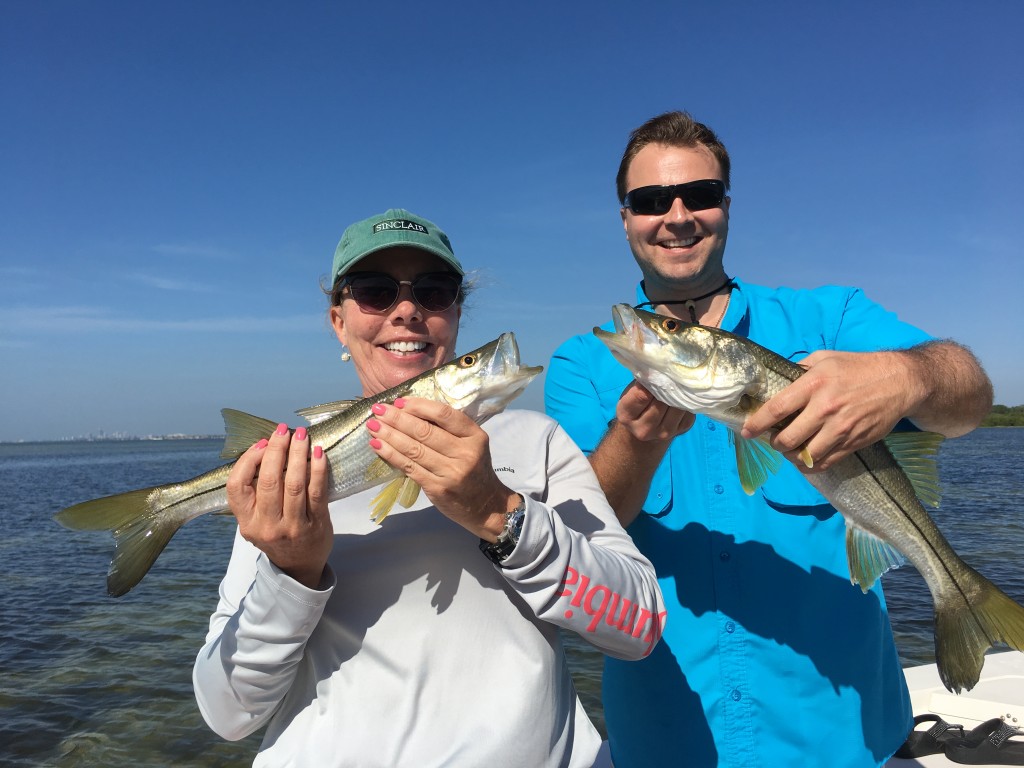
916	453
409	492
317	413
806	458
402	490
755	460
869	557
242	431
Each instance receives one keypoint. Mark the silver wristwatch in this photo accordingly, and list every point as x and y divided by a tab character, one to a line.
500	550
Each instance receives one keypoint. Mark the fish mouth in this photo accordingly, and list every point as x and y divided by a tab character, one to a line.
506	363
631	334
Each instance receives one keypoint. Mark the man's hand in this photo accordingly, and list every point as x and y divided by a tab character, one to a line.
648	419
847	400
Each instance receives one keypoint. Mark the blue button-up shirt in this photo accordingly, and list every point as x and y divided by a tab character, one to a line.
770	656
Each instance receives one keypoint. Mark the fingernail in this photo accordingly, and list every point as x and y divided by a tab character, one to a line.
376	444
262	444
318	452
282	429
400	402
300	433
373	425
378	408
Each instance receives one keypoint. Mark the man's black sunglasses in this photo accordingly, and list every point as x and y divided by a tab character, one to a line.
657	200
378	292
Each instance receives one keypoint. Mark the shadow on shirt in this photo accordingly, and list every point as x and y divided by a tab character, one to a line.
818	615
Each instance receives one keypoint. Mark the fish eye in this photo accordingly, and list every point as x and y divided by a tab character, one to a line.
467	361
670	324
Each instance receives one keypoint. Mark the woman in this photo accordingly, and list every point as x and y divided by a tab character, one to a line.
405	644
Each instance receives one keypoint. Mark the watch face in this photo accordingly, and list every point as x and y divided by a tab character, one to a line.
499	551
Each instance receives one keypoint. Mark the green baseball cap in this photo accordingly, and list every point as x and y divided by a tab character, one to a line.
395	226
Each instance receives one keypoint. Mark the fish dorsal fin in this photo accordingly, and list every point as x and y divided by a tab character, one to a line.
401	490
317	413
916	454
869	557
755	460
243	429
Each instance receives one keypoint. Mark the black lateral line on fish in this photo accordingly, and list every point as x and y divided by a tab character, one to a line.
185	500
925	539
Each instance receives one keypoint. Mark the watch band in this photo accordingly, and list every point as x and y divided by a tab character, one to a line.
500	550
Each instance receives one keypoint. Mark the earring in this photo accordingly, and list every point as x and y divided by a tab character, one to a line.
345	356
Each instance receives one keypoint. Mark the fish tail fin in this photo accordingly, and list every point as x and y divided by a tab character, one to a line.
140	532
966	628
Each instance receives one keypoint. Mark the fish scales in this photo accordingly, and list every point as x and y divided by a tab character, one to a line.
480	384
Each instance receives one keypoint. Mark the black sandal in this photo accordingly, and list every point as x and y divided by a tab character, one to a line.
991	745
930	742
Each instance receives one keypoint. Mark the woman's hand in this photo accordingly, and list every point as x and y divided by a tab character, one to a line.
449	456
278	494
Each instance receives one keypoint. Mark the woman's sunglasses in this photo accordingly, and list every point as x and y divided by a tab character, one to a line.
378	292
657	200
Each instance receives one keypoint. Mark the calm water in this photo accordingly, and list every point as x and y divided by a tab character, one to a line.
86	680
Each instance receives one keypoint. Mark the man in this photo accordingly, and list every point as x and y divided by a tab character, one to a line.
770	656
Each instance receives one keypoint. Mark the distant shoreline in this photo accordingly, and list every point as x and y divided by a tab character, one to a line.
157	438
112	439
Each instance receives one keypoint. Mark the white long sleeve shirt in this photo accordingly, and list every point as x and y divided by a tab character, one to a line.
420	651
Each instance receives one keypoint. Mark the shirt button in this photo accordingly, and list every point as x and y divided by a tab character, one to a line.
730	627
712	426
736	695
724	555
719	489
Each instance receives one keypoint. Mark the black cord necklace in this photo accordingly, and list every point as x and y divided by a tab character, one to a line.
691	304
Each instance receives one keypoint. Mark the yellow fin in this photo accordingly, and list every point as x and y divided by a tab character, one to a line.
409	493
243	429
964	630
402	490
384	501
806	458
916	454
869	557
755	460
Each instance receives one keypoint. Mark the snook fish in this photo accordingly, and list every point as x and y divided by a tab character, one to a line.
878	489
480	384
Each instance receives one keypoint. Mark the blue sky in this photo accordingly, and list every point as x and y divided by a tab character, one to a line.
174	177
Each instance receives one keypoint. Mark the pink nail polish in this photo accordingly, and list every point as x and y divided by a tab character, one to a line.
262	444
376	444
400	402
373	425
300	433
282	429
378	408
318	452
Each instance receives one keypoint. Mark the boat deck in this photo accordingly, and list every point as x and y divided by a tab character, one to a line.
999	693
